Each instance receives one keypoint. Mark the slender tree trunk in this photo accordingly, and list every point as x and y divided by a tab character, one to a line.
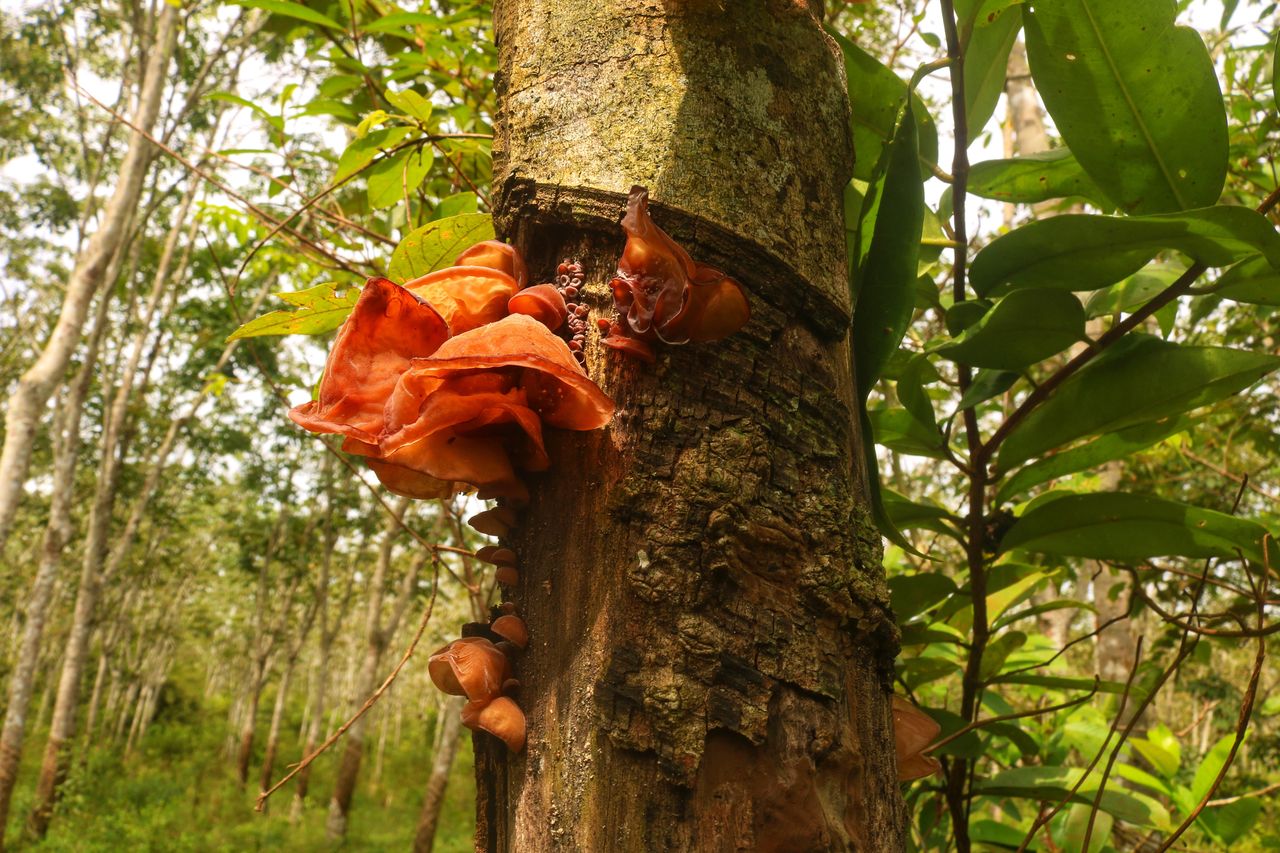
249	724
711	646
28	399
433	801
57	532
95	699
377	635
273	733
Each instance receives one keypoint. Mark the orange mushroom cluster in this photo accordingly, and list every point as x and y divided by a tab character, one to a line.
446	383
913	731
480	669
663	295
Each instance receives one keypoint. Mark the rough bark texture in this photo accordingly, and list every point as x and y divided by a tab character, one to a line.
711	643
37	384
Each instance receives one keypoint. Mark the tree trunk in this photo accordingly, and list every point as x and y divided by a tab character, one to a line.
57	532
377	635
447	749
711	646
249	725
28	399
273	733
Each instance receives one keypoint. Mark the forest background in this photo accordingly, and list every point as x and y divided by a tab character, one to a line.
215	593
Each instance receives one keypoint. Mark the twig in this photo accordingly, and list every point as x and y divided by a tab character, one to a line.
1004	718
368	703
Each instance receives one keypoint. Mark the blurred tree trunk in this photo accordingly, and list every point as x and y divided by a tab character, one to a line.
27	402
712	648
450	722
378	634
282	690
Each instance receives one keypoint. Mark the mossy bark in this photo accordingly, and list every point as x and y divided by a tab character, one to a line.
711	642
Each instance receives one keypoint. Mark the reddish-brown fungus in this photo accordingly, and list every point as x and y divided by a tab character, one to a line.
501	718
468	297
507	575
471	667
496	255
511	628
494	522
543	303
913	730
497	555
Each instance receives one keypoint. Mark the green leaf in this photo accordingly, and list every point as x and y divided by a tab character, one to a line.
899	431
1077	824
435	245
1057	682
876	95
1035	610
1253	280
911	595
1113	445
885	300
986	59
987	384
455	204
290	10
1165	762
1134	291
1034	178
389	177
1210	767
911	393
320	309
1082	252
998	651
909	515
400	20
410	103
364	149
1123	526
1054	784
1145	380
1122	84
1231	822
1025	327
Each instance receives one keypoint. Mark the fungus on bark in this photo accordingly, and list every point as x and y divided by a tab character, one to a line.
496	255
913	730
467	297
511	628
542	302
662	295
500	717
471	667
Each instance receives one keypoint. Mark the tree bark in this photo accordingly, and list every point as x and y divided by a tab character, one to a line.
28	399
711	645
433	800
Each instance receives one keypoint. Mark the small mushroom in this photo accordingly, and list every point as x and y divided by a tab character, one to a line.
543	303
507	576
497	555
913	731
500	717
511	628
471	667
496	255
494	522
631	346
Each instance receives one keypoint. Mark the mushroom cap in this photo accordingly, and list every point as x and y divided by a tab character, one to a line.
497	521
507	575
913	730
471	667
496	255
388	326
542	302
467	297
501	718
631	346
917	766
715	306
512	628
497	555
525	352
406	482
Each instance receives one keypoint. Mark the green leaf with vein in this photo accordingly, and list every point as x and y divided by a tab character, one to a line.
363	149
1144	380
876	95
1055	783
435	245
1081	252
1113	445
1034	178
1123	526
320	309
1025	327
390	177
1253	281
987	42
291	10
1134	291
1134	96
